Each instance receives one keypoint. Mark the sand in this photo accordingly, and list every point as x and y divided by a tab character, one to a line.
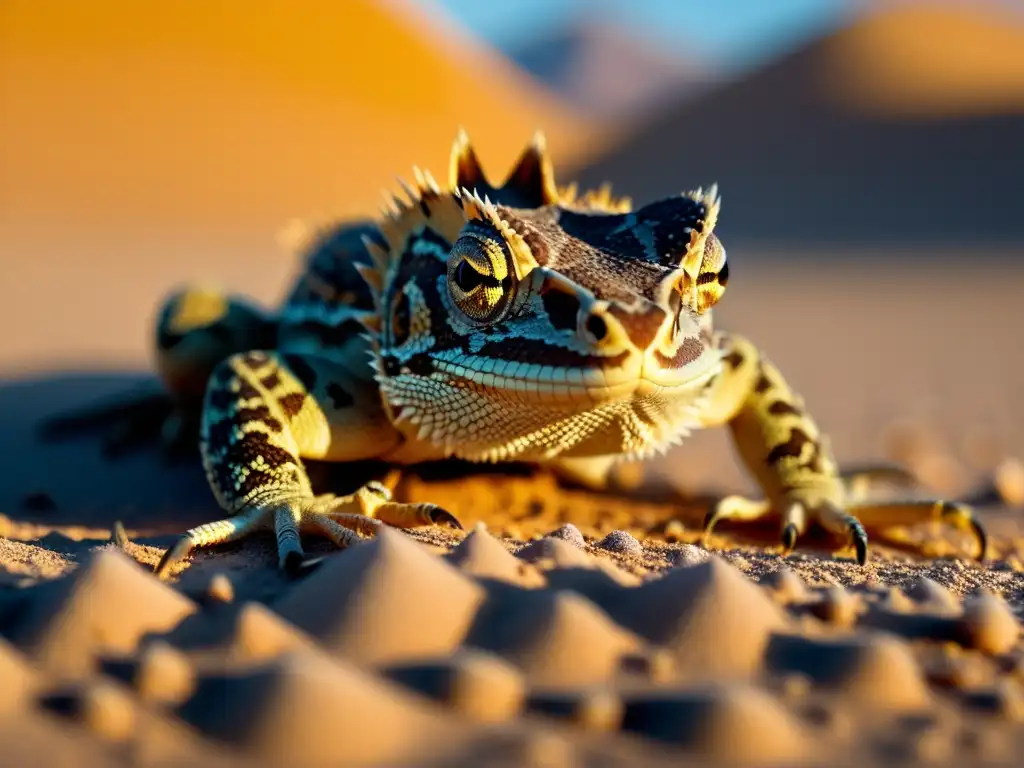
616	639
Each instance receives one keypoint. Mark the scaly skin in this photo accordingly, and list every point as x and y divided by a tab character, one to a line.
521	322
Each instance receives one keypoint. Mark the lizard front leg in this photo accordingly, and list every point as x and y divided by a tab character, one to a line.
263	413
782	447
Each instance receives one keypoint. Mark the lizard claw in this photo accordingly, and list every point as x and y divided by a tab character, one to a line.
982	537
860	542
119	536
788	538
295	564
440	516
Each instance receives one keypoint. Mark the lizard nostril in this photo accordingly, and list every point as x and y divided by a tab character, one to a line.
562	308
597	327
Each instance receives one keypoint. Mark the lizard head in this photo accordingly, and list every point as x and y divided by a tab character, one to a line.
566	326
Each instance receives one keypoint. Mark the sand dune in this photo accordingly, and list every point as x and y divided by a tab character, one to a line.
610	73
889	63
877	133
135	117
144	145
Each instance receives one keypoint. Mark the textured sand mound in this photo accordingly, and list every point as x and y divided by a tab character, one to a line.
715	620
309	709
484	557
106	605
396	652
558	638
20	681
387	600
732	724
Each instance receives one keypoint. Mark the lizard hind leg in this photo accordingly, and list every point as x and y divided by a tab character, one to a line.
196	328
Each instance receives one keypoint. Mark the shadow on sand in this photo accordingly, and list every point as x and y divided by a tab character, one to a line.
88	489
71	484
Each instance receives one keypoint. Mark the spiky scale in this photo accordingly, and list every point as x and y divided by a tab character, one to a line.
525	386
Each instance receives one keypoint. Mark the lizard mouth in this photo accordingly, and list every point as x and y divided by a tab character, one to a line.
637	375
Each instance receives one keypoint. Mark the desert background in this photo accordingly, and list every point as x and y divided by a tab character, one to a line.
870	157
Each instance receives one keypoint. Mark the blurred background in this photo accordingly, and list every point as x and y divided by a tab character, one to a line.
870	157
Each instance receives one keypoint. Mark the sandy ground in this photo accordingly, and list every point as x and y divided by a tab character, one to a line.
563	627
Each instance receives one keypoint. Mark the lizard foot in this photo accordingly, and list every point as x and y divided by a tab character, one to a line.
852	522
345	520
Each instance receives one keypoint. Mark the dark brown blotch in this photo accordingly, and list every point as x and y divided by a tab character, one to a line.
688	351
794	448
292	403
707	277
247	391
734	359
642	326
242	453
782	408
259	414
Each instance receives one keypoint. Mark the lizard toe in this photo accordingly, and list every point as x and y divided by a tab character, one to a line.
443	517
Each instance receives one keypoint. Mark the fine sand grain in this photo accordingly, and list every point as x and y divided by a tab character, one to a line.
523	641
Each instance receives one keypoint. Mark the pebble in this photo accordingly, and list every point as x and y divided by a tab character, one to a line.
621	542
220	589
569	533
690	554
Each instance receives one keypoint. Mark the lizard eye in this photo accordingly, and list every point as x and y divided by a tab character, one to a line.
466	278
480	280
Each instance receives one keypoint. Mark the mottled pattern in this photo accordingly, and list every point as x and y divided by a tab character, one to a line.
249	457
493	322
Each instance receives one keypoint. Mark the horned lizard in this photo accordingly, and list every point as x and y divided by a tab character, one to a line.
523	322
